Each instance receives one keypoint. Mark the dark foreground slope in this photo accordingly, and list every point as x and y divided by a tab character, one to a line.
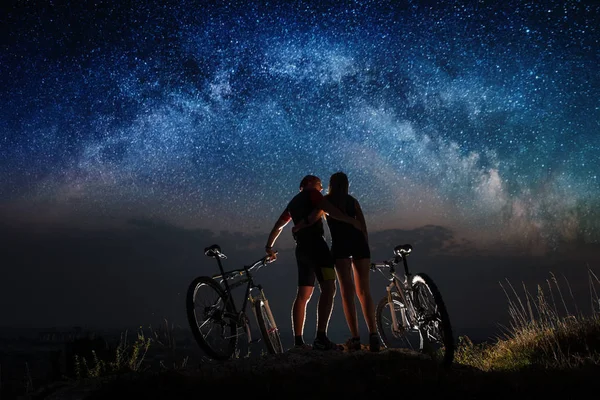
313	374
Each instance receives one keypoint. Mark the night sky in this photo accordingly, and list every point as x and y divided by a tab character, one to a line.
135	134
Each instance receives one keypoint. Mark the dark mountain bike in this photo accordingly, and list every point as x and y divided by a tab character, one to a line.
213	316
412	314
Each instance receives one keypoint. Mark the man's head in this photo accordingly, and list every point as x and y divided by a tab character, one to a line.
311	182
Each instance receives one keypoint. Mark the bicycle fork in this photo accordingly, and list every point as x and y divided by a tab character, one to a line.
407	308
395	325
262	298
271	318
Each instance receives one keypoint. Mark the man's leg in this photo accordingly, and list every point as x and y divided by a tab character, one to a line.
325	305
324	308
306	286
303	295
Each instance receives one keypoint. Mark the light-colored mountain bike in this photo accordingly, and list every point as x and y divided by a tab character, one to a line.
213	316
412	314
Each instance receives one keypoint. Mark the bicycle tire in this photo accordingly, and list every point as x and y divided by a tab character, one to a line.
225	325
268	329
422	280
391	339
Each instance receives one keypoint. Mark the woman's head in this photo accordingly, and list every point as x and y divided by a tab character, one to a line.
338	184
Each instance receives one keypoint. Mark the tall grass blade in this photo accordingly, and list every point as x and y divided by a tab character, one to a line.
560	293
577	313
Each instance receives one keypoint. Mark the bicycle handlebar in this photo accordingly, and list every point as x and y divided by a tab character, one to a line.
384	264
260	263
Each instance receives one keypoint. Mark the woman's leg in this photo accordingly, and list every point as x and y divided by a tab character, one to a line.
343	268
363	290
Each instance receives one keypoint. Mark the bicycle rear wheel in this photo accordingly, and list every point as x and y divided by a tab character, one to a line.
433	318
268	328
211	318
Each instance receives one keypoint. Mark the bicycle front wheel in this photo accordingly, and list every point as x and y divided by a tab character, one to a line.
268	328
433	318
393	324
211	318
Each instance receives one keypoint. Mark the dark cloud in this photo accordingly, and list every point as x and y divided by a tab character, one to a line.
428	239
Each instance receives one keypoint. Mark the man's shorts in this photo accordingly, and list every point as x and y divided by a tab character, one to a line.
314	261
351	244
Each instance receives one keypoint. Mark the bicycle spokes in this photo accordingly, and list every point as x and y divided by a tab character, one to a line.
393	327
429	318
214	324
213	312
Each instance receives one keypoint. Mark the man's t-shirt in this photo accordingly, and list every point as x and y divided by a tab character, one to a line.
299	208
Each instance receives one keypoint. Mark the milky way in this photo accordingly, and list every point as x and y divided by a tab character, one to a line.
482	117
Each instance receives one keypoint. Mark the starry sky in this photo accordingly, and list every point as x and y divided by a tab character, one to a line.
473	123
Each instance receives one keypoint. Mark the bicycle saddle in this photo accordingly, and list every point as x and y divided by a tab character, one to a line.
212	251
402	249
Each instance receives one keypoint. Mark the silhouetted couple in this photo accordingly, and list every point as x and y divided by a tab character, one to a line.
349	256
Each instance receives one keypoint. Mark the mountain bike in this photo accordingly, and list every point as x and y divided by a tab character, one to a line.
412	314
213	316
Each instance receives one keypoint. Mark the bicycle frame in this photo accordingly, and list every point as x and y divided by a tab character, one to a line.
238	316
402	287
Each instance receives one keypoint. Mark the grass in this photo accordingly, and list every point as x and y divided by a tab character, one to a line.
126	359
543	332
